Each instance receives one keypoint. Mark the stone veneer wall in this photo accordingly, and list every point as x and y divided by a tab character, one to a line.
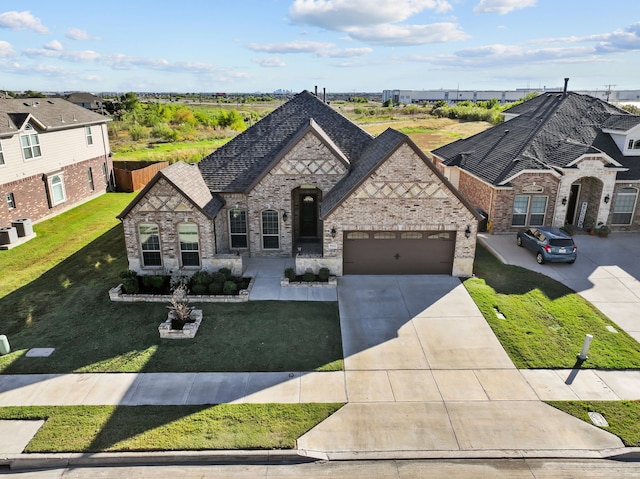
309	162
403	194
167	208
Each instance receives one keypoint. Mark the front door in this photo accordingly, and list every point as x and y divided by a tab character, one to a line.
573	205
309	215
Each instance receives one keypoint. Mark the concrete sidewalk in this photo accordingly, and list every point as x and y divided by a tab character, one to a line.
426	377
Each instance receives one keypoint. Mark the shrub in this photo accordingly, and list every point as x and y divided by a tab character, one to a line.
215	287
230	287
290	273
138	132
323	274
226	272
199	288
201	277
130	282
308	277
153	281
218	277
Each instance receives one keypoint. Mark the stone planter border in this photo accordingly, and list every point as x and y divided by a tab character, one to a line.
187	332
116	294
332	283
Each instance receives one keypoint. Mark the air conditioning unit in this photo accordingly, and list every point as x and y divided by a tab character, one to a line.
23	226
8	235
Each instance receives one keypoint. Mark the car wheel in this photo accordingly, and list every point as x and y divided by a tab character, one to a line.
572	261
518	241
540	258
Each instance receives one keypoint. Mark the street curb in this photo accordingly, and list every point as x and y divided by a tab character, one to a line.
105	459
63	460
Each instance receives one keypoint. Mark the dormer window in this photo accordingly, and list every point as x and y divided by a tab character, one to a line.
634	144
30	143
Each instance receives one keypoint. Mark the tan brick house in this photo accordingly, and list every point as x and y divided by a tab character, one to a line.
304	182
559	159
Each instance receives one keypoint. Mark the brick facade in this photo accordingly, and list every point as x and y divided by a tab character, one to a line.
427	204
31	193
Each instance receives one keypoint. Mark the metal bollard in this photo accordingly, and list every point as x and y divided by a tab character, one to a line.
4	345
585	347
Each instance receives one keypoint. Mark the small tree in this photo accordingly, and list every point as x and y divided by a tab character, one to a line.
179	306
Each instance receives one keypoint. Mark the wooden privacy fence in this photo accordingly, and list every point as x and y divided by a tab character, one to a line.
134	175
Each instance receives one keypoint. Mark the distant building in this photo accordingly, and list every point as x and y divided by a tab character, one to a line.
454	95
86	100
53	155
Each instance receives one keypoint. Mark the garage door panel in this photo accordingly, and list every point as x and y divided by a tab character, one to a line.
414	252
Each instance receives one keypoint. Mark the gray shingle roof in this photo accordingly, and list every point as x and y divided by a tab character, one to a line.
236	166
621	122
188	180
49	113
551	130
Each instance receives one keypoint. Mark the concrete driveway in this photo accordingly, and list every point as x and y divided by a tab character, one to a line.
424	374
606	273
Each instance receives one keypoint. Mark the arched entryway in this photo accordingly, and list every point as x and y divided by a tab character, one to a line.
307	226
583	202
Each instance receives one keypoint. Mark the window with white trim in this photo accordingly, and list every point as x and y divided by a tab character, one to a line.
270	230
529	210
634	144
56	189
149	235
30	143
189	244
624	206
1	155
11	201
238	228
88	135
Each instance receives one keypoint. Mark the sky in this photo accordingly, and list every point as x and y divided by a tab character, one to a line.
341	45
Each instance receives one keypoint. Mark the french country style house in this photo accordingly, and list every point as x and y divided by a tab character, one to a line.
559	159
53	155
304	182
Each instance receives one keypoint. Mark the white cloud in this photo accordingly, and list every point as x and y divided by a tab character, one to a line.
54	45
502	7
320	49
270	62
21	21
409	34
77	34
6	50
296	46
342	14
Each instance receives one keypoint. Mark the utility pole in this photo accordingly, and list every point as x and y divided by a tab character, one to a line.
609	90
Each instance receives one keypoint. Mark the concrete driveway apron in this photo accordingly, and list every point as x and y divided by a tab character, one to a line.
426	377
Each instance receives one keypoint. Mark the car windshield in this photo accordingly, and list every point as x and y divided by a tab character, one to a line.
561	242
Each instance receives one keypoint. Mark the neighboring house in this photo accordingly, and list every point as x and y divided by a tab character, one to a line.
559	159
86	100
308	183
53	156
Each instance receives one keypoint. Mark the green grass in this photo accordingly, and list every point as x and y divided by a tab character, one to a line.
622	416
158	428
546	322
61	300
58	238
168	151
422	129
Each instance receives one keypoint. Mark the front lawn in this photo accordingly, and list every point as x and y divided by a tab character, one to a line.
167	428
60	300
545	322
622	416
